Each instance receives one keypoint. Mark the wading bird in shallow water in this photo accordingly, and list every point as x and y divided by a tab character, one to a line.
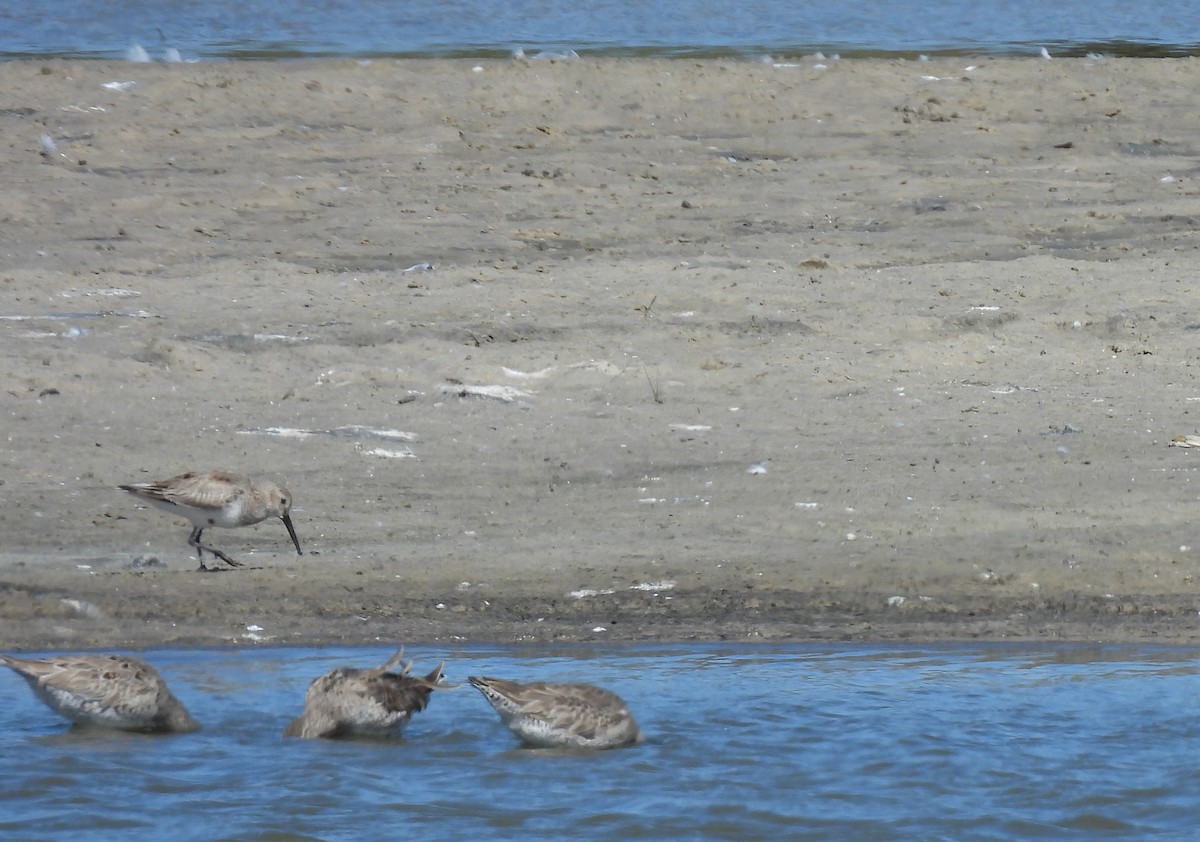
114	691
218	498
560	715
374	702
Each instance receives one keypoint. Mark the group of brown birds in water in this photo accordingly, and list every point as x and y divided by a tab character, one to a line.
123	692
126	693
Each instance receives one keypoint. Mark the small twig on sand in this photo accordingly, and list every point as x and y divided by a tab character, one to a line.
654	387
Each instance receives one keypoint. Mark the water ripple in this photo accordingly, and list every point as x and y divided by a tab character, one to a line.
747	743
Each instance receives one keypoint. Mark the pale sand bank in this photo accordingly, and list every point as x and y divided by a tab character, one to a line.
952	314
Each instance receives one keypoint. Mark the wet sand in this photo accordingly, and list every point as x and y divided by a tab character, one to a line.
707	350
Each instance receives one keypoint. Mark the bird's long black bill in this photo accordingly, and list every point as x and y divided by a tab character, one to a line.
287	521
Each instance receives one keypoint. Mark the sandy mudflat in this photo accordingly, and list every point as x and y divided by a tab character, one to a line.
709	350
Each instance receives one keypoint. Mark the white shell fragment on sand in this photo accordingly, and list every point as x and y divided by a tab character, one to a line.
348	431
528	375
584	593
504	394
664	585
83	608
385	453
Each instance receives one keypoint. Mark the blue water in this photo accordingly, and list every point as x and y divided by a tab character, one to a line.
744	743
361	28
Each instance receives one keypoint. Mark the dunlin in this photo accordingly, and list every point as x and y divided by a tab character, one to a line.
218	498
115	691
561	715
364	702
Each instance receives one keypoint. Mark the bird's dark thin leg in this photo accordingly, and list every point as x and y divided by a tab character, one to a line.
194	540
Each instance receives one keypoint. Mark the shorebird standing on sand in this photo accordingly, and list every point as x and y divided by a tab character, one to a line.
371	702
560	715
114	691
218	498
